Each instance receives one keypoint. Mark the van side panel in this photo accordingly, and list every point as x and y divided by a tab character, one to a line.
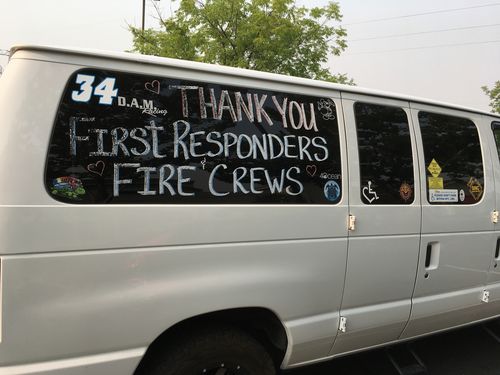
92	302
116	363
79	281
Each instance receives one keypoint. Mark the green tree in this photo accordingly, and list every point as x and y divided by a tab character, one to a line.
494	95
267	35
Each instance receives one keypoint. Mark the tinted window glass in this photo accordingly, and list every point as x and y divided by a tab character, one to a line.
495	126
128	138
453	160
385	154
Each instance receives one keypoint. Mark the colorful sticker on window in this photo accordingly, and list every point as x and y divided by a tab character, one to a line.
434	168
443	195
475	188
67	187
405	191
435	182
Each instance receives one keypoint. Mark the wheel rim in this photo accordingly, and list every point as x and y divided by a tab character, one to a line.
224	368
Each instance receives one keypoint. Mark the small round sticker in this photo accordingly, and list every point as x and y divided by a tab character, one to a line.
462	195
332	190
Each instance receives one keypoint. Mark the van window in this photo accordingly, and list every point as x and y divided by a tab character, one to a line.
385	154
495	126
453	159
129	138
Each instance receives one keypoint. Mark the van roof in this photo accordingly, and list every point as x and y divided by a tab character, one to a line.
225	70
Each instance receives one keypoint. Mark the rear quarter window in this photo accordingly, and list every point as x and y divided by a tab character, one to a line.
129	138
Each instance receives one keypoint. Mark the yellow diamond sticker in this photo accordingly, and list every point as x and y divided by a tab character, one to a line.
434	168
475	188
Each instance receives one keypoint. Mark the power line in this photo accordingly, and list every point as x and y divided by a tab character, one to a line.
425	47
421	14
424	32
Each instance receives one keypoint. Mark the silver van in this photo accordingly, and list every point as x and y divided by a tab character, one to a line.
168	217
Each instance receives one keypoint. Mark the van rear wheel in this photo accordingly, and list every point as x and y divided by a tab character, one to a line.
215	351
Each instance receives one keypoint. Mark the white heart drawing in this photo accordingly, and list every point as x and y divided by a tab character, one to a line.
97	168
311	170
153	86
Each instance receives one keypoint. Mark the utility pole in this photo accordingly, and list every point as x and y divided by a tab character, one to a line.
144	13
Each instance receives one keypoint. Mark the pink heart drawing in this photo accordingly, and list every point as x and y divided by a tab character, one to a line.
97	168
153	86
311	170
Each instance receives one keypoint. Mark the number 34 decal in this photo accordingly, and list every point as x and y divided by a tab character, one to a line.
105	90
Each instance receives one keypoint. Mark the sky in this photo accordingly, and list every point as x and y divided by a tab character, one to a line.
449	55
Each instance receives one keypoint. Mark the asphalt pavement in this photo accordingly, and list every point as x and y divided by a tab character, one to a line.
469	351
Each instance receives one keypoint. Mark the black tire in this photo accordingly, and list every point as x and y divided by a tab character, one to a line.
215	351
